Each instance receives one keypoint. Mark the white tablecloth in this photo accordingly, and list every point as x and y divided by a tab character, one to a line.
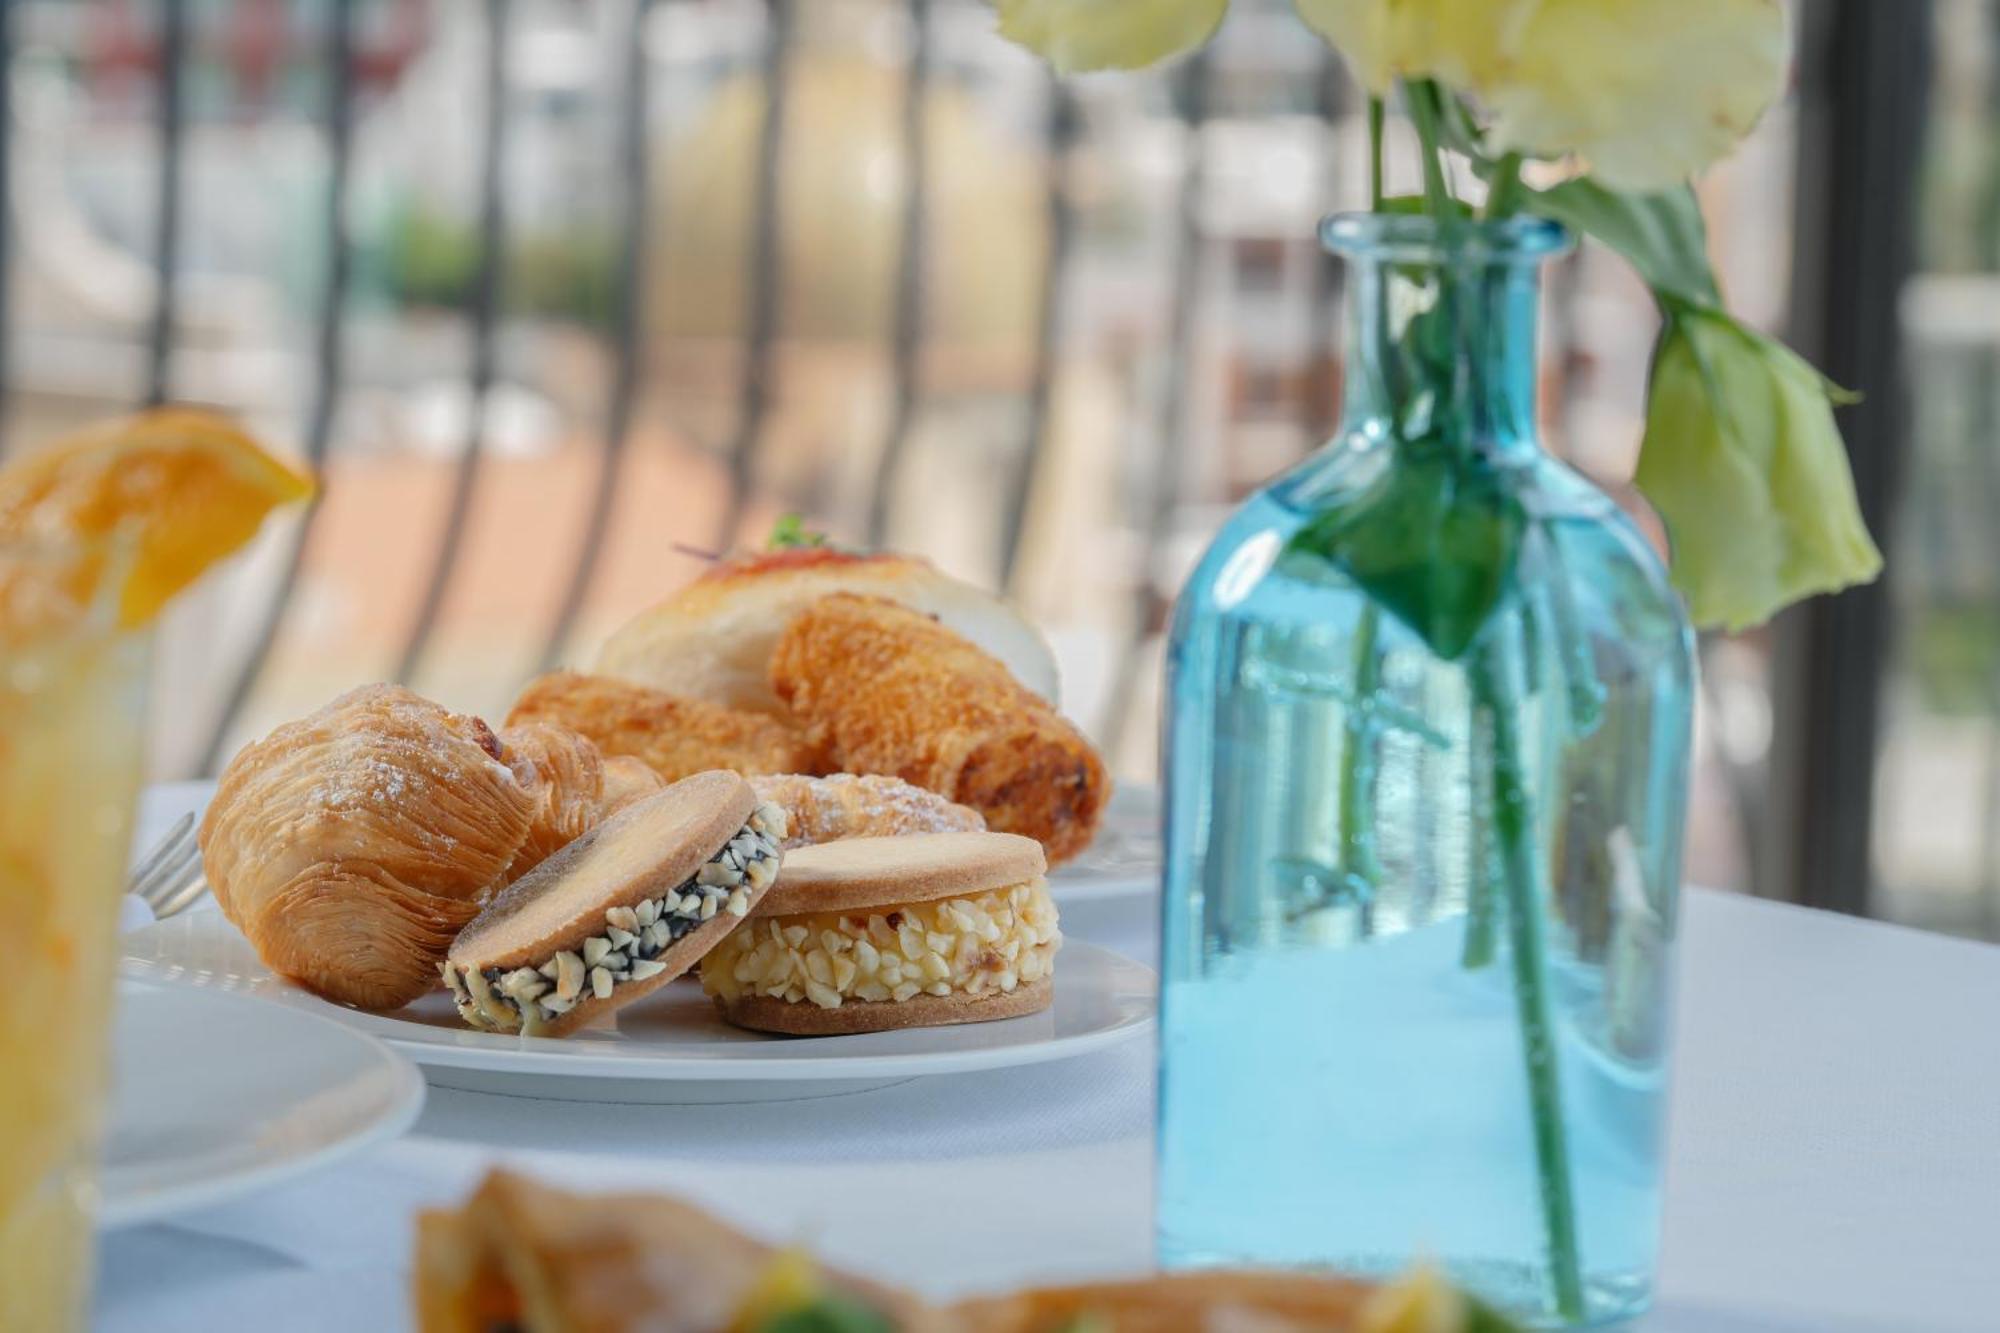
1834	1159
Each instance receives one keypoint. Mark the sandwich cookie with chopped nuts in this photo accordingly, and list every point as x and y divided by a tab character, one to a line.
623	910
868	934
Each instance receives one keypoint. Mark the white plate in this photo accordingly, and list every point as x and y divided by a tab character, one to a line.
1123	861
217	1095
671	1047
1123	864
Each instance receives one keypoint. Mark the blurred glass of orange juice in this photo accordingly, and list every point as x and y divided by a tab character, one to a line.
71	696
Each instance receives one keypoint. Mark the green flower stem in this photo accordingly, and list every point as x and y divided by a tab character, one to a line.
1492	676
1438	198
1357	767
1504	194
1482	896
1375	120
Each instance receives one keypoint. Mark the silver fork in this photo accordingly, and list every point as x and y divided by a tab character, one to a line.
170	879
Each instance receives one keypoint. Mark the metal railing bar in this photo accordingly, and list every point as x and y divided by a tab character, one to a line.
1060	131
1862	90
6	200
327	363
167	218
1332	100
909	313
628	301
765	280
1164	478
485	318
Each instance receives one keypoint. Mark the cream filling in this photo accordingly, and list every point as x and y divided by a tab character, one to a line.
980	944
524	999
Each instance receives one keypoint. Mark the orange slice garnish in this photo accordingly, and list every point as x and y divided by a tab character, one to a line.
185	487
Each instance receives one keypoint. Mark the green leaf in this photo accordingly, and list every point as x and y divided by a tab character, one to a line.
1433	539
791	532
828	1314
1080	35
1744	462
1483	1318
1662	235
1415	205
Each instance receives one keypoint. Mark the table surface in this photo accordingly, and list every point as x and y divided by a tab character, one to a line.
1834	1158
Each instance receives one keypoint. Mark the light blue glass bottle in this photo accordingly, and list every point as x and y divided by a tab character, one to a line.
1426	769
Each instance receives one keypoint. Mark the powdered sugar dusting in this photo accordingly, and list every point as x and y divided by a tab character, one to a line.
858	805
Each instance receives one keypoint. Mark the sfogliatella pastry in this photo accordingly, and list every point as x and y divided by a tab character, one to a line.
884	689
861	805
673	736
576	788
712	639
877	933
350	846
619	912
522	1256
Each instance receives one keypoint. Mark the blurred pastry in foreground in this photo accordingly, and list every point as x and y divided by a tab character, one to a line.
861	805
712	639
576	788
876	933
619	912
519	1255
352	845
1233	1301
673	736
884	689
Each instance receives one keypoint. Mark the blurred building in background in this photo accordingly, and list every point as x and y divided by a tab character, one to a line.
565	295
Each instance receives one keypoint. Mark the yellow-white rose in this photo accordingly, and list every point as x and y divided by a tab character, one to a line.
1078	35
1460	42
1647	92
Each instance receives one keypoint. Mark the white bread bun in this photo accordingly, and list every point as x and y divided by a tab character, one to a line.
712	640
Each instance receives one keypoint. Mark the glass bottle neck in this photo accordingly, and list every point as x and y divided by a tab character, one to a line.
1441	350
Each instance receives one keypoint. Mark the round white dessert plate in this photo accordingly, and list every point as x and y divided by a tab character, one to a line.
671	1047
1121	866
217	1095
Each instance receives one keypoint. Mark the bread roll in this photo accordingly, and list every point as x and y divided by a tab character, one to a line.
712	640
671	734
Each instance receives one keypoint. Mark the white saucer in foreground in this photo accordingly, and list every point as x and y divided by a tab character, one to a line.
671	1047
217	1095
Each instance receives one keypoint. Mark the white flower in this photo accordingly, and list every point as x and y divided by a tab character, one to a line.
1077	35
1647	92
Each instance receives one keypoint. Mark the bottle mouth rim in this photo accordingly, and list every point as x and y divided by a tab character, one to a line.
1417	238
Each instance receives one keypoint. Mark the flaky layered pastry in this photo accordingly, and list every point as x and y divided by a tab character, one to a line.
712	639
352	845
676	737
884	689
577	787
521	1255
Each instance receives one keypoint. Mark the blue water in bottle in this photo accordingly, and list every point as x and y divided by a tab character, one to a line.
1349	1004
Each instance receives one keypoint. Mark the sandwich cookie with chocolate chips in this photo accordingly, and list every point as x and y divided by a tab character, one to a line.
875	933
619	912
